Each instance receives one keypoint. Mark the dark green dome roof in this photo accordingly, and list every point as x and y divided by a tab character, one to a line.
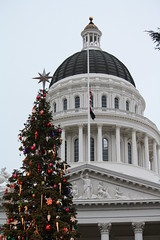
100	62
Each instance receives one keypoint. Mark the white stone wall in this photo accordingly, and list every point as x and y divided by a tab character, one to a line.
118	125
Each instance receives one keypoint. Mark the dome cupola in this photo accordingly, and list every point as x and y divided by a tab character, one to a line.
91	36
100	62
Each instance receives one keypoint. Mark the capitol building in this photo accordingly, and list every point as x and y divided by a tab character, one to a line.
116	191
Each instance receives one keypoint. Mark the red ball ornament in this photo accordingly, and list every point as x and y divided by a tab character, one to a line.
64	180
49	124
32	119
50	171
38	97
44	95
15	175
55	186
65	229
30	163
48	227
67	209
50	164
32	148
11	220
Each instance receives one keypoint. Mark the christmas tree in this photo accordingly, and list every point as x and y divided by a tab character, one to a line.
38	199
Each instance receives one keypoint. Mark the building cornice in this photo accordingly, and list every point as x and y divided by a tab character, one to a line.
116	203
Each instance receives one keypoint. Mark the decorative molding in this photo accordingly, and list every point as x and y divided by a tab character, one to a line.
104	227
138	226
118	203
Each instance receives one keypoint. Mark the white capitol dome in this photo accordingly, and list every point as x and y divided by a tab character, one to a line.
117	190
122	138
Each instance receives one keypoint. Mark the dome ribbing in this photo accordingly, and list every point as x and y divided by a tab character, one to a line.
100	62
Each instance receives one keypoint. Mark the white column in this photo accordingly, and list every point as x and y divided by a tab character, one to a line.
155	168
104	229
113	148
118	154
80	143
143	157
138	230
134	148
146	152
99	144
69	149
125	150
63	145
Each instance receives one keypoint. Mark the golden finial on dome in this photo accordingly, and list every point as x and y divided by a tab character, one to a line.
91	19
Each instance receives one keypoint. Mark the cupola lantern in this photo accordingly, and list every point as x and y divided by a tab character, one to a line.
91	36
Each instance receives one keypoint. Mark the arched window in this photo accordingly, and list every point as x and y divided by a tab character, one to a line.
129	153
135	108
104	101
65	104
116	103
127	105
105	149
76	150
66	151
77	102
55	107
92	149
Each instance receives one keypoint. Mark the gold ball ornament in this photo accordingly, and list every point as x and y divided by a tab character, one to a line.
90	18
28	174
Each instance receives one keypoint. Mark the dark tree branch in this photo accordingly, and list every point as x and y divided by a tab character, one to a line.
155	37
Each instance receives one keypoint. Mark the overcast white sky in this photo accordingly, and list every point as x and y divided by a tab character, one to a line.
42	33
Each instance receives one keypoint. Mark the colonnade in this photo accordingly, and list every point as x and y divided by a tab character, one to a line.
136	226
150	155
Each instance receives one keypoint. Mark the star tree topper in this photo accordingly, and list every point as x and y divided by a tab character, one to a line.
44	77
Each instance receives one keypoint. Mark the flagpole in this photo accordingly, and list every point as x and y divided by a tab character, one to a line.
89	144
